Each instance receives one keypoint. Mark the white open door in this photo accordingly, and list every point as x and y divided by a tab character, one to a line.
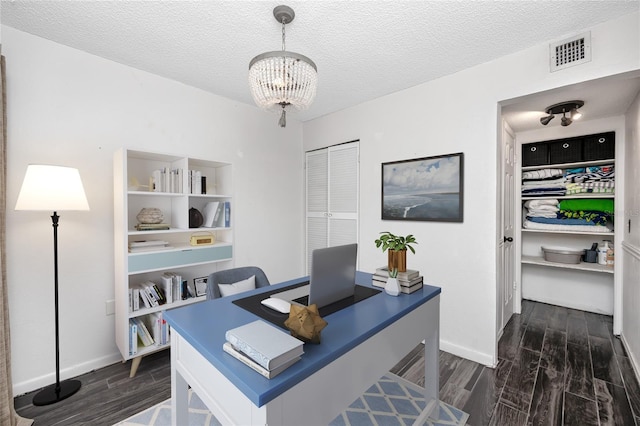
506	254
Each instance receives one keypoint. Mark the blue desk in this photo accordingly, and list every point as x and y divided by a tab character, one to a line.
360	344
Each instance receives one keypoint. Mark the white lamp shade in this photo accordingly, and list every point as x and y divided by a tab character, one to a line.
52	188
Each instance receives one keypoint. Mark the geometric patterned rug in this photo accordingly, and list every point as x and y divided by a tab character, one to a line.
395	401
391	401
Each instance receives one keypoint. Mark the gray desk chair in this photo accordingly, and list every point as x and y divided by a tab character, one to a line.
234	275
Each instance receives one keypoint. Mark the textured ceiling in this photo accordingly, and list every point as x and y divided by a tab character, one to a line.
363	49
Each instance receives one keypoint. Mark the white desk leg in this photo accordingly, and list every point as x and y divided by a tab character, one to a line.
432	358
179	388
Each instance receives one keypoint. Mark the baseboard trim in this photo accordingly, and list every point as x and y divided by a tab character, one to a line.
36	383
568	304
470	354
634	362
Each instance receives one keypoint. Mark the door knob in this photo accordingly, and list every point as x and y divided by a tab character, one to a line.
508	239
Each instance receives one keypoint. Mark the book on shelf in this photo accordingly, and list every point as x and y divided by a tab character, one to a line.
269	374
267	345
166	281
210	211
196	181
143	332
218	218
159	292
134	299
227	214
149	248
147	301
152	290
159	328
133	338
406	275
152	226
176	284
147	243
166	180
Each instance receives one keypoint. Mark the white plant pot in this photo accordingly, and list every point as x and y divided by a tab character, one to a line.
392	287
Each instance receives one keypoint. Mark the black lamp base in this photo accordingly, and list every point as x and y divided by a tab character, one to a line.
51	395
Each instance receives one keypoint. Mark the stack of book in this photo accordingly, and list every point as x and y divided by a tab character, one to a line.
263	347
148	245
217	214
148	330
152	226
409	281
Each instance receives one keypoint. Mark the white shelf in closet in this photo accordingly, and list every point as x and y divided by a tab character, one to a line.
583	266
572	197
570	165
595	234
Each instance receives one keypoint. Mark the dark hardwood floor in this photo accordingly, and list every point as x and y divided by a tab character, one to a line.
557	366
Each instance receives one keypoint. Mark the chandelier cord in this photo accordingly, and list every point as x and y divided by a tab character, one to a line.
283	43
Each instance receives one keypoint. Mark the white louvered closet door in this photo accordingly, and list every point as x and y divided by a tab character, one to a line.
332	197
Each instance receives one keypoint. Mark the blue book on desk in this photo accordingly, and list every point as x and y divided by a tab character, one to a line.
265	344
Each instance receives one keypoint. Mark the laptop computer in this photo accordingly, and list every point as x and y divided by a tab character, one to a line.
333	277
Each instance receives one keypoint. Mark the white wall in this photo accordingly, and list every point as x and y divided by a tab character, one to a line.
70	108
631	245
459	113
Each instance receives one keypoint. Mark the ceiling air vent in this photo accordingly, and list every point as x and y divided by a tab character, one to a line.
569	52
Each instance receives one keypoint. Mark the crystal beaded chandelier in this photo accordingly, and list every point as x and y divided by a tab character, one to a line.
281	79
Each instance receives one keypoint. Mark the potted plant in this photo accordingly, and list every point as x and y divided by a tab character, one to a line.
396	246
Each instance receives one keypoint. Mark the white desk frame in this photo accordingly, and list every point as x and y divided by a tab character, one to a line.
321	396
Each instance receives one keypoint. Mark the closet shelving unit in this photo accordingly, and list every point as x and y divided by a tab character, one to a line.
532	240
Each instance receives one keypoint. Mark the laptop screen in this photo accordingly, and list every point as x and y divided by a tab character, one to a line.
333	274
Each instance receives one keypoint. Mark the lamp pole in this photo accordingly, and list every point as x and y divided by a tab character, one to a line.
58	391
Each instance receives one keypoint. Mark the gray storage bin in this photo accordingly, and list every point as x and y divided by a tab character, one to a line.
562	254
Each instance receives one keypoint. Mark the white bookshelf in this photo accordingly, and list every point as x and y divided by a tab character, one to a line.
134	190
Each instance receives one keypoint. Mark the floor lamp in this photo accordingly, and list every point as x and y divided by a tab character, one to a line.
53	188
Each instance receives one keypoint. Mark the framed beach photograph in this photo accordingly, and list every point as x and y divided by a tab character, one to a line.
427	189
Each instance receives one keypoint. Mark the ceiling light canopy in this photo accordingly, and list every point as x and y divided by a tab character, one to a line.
280	79
564	108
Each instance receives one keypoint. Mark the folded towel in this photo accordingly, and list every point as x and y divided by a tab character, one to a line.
540	213
602	187
544	192
591	174
544	182
538	203
541	173
556	221
597	218
596	204
527	224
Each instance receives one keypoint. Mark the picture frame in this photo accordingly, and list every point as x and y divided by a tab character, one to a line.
201	286
424	189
